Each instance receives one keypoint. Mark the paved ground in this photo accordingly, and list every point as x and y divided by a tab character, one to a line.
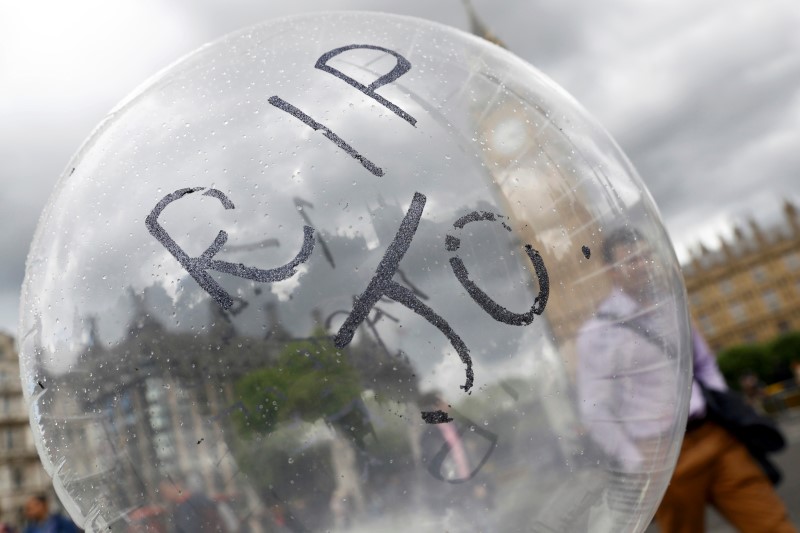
789	463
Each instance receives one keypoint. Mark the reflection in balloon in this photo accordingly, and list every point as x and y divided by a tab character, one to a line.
409	363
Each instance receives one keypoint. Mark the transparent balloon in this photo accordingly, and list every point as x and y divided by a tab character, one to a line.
354	272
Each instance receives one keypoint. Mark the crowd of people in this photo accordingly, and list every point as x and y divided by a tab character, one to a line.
40	519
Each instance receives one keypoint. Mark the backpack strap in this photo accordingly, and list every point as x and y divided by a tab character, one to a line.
639	329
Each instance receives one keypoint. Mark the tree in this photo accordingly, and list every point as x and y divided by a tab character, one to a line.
770	362
310	380
784	351
743	359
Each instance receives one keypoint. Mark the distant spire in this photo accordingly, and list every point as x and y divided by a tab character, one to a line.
91	339
790	210
694	258
276	331
477	27
316	317
726	247
141	317
757	233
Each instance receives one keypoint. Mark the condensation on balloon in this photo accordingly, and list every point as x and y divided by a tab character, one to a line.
336	272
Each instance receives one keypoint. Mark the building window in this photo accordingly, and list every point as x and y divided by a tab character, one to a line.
738	312
771	300
792	261
707	325
17	477
784	326
760	274
726	287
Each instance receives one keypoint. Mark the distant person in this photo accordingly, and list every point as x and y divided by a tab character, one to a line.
626	379
456	488
190	511
6	528
347	500
753	391
41	521
620	350
455	463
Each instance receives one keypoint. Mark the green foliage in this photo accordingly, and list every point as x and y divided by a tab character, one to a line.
770	362
310	379
309	382
786	350
743	359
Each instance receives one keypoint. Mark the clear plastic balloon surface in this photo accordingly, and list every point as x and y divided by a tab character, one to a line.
354	272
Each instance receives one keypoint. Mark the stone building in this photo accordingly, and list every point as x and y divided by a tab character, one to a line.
21	473
160	404
123	418
748	290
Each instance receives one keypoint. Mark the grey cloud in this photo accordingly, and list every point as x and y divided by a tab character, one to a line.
718	132
700	136
723	131
546	34
23	197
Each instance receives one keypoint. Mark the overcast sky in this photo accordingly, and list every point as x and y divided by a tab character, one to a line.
702	95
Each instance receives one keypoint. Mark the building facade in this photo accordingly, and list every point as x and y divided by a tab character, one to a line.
21	473
748	290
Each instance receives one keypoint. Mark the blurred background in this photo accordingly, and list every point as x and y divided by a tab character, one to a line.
703	96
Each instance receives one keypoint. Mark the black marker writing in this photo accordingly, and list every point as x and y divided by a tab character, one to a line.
436	417
197	267
382	284
283	105
403	65
587	253
301	205
379	314
411	286
497	311
239	305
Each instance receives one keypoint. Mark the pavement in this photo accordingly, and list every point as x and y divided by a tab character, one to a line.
788	461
